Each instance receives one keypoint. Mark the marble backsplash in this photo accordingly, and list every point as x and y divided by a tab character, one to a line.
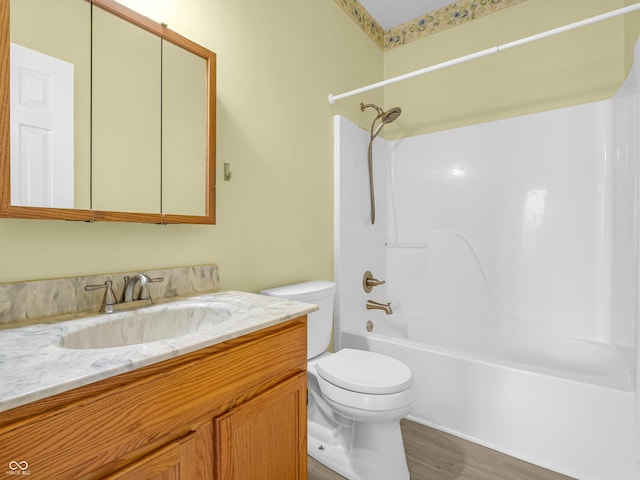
25	302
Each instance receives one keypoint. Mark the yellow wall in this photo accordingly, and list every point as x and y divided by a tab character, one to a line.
584	65
277	62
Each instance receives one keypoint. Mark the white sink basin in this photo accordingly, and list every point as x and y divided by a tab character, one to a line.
152	324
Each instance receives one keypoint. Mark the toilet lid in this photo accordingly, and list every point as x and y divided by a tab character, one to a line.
365	372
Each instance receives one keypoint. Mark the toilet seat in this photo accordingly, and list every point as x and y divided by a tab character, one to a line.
364	381
362	371
365	402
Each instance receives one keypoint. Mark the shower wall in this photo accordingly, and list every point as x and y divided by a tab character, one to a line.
532	217
527	203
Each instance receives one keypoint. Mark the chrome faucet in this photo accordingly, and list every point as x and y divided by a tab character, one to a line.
130	285
371	305
127	302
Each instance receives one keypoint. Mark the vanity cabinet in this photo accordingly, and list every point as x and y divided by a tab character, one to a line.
235	410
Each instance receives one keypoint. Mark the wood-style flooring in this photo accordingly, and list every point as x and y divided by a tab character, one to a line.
435	455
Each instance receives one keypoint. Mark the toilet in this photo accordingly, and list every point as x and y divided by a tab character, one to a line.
356	398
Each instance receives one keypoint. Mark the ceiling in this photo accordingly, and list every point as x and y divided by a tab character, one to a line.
389	13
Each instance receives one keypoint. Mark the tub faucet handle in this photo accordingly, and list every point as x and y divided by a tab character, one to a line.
369	281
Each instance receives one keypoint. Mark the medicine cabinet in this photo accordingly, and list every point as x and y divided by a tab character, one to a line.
106	116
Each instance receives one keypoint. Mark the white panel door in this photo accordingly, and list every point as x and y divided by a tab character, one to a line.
42	154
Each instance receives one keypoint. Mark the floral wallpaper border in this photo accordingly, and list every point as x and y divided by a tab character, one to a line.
449	16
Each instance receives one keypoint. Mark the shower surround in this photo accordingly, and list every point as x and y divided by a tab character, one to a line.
510	254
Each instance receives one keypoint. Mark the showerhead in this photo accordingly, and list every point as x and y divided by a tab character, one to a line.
385	117
391	115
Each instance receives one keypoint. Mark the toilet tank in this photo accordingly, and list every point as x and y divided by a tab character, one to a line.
320	322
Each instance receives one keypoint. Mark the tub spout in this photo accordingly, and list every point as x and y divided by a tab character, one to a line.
371	305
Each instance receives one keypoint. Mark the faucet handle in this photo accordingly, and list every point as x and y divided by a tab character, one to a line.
144	288
369	281
109	299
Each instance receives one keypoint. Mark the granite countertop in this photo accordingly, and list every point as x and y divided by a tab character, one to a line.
35	365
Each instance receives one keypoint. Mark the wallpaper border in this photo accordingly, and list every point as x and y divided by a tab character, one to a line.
457	13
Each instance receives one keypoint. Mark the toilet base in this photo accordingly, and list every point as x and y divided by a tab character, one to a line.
331	456
364	459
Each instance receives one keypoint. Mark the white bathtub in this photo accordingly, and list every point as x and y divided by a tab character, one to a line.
566	408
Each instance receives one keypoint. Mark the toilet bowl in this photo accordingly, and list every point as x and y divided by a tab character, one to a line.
356	398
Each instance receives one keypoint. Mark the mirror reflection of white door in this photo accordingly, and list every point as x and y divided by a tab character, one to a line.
42	153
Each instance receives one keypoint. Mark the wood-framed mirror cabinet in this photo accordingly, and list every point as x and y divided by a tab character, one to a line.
177	150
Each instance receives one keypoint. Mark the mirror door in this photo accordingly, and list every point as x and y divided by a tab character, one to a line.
50	104
184	144
126	116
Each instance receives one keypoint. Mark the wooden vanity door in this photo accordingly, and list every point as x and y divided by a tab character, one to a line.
178	460
266	437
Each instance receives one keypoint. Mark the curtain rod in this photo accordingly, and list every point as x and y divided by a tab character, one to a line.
488	51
